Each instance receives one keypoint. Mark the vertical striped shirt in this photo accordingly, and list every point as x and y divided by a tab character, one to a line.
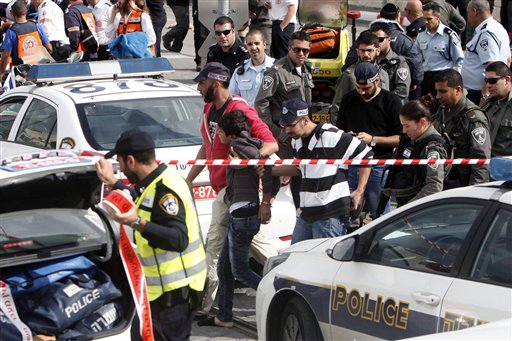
324	191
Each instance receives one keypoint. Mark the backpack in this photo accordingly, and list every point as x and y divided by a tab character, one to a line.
323	39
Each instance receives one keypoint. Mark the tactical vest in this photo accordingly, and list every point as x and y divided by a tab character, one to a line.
169	270
28	37
133	24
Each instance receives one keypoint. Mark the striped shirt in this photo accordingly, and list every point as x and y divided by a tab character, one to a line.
324	191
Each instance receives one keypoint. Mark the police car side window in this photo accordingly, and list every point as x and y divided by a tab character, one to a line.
39	125
426	240
494	259
9	109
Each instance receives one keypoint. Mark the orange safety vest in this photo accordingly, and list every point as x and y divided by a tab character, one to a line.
133	24
28	37
89	20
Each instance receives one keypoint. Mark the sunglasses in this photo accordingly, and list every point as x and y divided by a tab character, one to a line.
299	49
492	80
225	32
381	39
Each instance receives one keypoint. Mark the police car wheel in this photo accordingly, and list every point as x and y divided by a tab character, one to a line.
298	323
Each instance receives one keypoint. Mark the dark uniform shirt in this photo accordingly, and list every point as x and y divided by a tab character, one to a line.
500	115
414	28
238	53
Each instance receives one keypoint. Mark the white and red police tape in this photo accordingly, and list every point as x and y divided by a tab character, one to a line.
365	162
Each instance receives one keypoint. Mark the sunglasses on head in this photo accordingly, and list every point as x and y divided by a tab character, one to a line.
225	32
299	49
492	80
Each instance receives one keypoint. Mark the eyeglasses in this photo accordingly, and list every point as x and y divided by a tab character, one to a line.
300	49
492	80
381	39
225	32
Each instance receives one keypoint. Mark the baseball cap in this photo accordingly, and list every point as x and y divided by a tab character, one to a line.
366	73
133	140
215	71
292	109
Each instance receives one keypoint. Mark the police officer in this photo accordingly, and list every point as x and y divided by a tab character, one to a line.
420	140
449	15
166	231
440	47
498	81
22	34
466	125
414	15
395	65
490	43
229	49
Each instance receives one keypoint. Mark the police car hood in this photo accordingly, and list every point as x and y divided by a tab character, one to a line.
311	245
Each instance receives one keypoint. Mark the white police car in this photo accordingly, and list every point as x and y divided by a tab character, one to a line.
59	258
86	106
438	264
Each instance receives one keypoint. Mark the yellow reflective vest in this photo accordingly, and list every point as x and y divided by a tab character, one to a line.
168	270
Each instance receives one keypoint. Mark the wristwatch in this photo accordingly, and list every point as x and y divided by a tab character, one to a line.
373	142
137	224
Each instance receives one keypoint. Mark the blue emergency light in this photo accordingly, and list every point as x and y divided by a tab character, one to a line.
501	168
42	73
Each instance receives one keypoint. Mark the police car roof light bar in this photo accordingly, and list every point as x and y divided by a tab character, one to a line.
43	73
501	169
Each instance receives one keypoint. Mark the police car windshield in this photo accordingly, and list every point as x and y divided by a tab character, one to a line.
171	121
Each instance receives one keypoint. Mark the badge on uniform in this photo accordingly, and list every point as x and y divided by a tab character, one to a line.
484	44
433	155
267	82
402	73
169	204
479	135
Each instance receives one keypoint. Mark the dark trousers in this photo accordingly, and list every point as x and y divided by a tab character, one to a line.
158	19
60	52
280	39
178	33
104	53
428	85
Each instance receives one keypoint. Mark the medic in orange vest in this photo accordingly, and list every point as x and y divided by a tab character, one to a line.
81	27
22	37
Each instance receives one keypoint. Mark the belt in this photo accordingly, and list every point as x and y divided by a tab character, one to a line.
58	44
172	298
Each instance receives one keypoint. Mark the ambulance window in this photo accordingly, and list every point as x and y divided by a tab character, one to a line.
9	109
494	260
427	240
39	125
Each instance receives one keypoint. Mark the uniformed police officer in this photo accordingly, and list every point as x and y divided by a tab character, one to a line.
229	49
449	15
490	43
466	125
498	81
395	65
414	15
166	231
439	45
420	140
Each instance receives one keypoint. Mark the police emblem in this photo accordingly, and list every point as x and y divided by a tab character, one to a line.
484	44
433	154
267	82
402	73
479	135
169	204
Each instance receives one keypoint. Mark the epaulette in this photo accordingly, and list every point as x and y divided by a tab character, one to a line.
212	46
243	48
453	34
422	29
240	66
308	65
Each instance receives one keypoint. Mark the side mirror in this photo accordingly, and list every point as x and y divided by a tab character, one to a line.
344	250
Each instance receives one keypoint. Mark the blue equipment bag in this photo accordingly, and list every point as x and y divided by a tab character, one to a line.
8	331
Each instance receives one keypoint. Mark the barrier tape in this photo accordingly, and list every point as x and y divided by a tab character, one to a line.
8	307
350	162
137	280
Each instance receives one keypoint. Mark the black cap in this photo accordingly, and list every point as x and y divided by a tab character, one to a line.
389	11
292	109
133	140
215	71
366	73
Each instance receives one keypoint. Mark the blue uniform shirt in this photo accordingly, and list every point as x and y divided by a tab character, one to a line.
248	83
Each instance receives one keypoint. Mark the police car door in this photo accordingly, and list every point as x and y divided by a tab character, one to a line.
405	266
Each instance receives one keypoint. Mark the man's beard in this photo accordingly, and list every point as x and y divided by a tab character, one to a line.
209	96
131	176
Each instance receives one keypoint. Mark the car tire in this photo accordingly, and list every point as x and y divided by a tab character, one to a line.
298	322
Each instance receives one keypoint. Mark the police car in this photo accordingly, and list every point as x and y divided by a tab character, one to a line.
438	264
59	251
86	106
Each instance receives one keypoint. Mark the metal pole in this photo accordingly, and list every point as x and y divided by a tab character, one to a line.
223	7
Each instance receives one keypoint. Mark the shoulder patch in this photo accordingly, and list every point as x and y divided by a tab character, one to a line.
433	154
169	204
484	44
267	82
402	73
479	134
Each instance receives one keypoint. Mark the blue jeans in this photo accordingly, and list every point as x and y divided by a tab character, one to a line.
325	228
373	188
234	263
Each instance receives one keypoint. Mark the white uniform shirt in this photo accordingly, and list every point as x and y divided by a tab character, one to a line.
147	27
489	44
102	12
248	84
280	8
51	19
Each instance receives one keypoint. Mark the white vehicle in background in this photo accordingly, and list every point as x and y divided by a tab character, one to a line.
438	264
86	106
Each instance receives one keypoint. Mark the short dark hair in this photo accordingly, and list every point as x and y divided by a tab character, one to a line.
451	76
224	19
234	122
299	35
19	8
381	27
425	106
256	31
146	157
501	69
367	38
434	7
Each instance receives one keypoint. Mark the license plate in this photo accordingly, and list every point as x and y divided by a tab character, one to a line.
321	117
204	193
